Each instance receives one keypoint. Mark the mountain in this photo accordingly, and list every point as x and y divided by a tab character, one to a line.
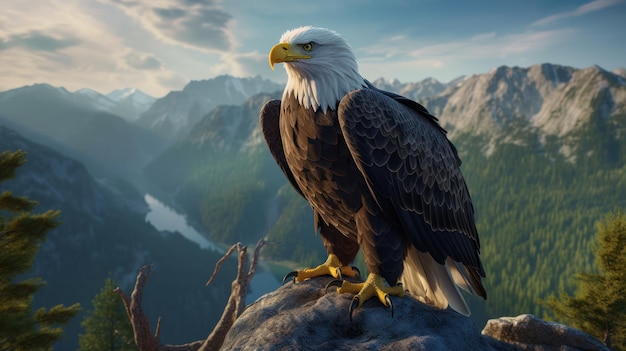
174	115
548	101
415	91
130	103
78	125
221	174
104	234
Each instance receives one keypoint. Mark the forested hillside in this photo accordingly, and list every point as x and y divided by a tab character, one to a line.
103	233
536	216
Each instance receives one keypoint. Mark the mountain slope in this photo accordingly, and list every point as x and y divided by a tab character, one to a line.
174	115
104	232
222	174
130	103
548	101
69	122
415	91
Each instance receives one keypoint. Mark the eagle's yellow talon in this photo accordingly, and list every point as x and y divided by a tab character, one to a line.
372	286
332	267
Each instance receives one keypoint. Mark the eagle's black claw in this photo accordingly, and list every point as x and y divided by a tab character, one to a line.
388	299
353	305
335	282
291	275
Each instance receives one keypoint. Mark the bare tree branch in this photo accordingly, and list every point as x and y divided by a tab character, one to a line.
218	265
146	341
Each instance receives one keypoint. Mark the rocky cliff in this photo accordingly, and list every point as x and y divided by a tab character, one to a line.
305	316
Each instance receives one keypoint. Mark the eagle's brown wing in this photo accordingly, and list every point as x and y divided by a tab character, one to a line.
413	172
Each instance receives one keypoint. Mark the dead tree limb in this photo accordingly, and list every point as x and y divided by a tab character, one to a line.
237	300
146	341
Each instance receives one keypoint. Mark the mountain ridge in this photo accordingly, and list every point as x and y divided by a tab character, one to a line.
107	143
174	115
544	100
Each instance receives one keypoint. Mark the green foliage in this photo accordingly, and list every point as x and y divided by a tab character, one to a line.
20	235
535	213
599	305
107	327
293	235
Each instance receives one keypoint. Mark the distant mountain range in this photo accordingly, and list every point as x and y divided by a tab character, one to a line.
128	103
81	126
174	115
548	100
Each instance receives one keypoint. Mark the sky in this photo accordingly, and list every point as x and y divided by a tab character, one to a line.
160	45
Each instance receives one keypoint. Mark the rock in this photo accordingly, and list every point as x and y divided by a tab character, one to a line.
532	333
305	316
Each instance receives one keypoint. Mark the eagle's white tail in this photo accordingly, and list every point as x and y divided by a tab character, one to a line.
434	283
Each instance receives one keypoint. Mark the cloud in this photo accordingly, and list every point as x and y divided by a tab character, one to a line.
592	6
485	45
38	41
196	24
143	61
72	44
241	64
414	55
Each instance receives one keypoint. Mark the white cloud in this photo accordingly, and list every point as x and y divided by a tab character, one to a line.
199	25
418	57
142	60
592	6
67	44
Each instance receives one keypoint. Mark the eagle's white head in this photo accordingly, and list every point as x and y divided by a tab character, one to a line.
321	66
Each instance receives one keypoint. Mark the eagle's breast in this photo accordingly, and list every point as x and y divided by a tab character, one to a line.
321	163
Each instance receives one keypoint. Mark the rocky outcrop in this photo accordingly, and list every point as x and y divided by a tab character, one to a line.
532	333
305	316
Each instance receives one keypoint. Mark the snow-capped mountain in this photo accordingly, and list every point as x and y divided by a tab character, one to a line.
174	115
94	98
130	102
79	125
415	90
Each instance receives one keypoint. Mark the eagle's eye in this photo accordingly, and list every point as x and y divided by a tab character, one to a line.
307	46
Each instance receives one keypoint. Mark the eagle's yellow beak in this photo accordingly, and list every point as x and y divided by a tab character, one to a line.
284	52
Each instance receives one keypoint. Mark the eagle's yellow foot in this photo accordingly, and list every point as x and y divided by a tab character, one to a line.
372	286
332	267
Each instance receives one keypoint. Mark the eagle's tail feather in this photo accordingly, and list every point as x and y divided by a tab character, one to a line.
432	282
466	278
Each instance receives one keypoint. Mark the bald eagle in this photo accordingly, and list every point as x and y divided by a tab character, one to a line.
379	173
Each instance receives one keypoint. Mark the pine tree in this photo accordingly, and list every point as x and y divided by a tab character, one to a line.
20	235
107	327
599	306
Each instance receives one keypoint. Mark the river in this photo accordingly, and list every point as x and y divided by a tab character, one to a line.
162	217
